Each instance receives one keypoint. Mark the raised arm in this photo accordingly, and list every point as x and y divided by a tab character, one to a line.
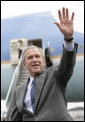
68	58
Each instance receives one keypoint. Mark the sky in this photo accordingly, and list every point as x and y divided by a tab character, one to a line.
18	8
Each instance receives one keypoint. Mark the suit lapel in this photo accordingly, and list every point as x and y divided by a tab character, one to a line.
39	86
23	91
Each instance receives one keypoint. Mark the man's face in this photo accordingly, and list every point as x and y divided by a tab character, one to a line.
34	62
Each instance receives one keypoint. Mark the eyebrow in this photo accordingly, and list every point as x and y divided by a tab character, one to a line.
34	55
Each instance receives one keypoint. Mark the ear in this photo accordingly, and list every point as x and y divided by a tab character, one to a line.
44	61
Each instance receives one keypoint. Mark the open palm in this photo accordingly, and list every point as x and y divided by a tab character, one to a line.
65	25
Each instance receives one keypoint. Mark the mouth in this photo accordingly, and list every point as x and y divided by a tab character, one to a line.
35	65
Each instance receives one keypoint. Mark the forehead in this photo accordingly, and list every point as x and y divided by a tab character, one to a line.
32	51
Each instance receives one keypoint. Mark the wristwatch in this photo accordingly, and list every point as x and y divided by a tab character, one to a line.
69	40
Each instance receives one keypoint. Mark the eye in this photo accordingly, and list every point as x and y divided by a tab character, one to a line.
29	57
37	56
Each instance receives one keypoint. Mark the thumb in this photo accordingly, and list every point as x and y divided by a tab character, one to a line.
57	24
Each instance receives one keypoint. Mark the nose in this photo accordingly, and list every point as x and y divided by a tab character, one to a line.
34	59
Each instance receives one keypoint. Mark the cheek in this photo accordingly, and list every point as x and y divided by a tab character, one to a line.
27	65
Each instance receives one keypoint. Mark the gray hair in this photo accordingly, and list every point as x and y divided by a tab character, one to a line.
31	47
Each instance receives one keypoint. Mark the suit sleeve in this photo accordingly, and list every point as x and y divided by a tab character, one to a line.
66	65
13	113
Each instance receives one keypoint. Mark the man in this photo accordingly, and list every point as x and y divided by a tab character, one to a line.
43	96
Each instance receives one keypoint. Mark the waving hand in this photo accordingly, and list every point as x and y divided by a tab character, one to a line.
66	24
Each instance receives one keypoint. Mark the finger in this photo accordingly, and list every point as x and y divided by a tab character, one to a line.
63	12
57	24
59	14
67	13
72	17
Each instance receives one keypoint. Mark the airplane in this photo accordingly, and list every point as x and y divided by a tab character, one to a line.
37	29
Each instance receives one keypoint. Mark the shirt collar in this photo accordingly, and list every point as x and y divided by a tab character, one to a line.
31	78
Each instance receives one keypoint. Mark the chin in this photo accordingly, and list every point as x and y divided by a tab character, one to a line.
37	71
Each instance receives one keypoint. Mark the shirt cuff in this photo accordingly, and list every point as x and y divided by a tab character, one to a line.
69	46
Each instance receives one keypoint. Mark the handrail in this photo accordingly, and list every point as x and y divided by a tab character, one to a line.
14	78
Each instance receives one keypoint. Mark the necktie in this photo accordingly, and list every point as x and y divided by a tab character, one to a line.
32	94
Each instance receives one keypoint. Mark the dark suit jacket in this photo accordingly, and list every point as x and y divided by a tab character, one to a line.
50	96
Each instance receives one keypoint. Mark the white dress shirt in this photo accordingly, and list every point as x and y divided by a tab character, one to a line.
27	99
69	46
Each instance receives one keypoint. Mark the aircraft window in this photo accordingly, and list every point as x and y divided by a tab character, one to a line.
35	42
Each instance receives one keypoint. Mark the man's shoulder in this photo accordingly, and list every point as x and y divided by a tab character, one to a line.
52	68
